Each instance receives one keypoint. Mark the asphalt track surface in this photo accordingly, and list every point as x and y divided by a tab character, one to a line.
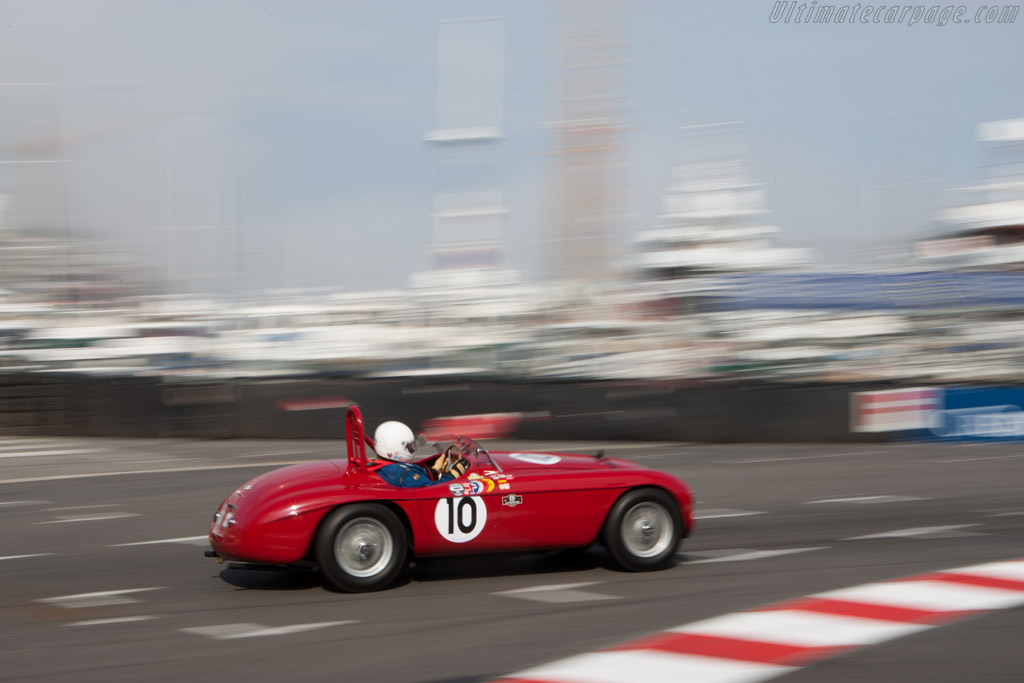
160	611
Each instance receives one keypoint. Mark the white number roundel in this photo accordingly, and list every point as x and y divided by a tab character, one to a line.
460	519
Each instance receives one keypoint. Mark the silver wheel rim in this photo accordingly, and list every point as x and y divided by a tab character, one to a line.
363	547
647	530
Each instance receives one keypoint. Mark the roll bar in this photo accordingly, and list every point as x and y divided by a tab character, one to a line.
355	437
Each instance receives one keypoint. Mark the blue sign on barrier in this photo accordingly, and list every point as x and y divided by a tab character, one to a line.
980	414
930	413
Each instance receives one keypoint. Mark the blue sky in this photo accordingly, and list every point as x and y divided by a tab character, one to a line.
286	137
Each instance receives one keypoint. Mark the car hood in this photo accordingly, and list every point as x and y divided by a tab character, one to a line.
537	461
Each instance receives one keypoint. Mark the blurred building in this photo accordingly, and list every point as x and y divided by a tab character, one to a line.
714	215
50	267
469	212
988	232
590	139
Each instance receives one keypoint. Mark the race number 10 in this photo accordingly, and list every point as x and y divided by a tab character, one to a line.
460	519
464	505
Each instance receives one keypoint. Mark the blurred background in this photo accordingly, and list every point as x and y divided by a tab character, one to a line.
453	208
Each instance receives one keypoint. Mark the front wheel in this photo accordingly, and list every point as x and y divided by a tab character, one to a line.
361	547
642	530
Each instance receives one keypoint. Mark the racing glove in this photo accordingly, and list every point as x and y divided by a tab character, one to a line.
440	466
459	467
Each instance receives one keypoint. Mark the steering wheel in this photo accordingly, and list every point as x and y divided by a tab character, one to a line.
451	455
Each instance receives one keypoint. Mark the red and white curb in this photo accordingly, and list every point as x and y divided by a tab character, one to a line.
760	644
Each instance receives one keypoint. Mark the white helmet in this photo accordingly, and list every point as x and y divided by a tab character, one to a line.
394	441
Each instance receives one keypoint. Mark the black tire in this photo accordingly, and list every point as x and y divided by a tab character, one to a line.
361	547
643	529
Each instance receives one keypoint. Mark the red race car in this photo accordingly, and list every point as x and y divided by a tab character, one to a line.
361	531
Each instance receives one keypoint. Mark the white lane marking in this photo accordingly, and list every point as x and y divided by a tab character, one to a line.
97	599
740	556
21	557
716	513
65	519
32	439
276	455
866	500
548	587
22	446
37	439
24	502
90	475
187	540
234	631
993	457
557	593
1001	513
83	507
593	414
114	620
36	454
801	457
940	596
139	462
804	629
950	531
651	667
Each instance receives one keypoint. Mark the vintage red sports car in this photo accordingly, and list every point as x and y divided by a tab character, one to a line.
361	531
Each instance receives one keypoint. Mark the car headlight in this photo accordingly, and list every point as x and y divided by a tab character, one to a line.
225	517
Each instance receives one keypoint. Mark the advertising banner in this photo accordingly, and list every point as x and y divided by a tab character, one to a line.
980	414
895	410
954	413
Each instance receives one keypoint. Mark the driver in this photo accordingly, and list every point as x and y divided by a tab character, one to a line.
396	443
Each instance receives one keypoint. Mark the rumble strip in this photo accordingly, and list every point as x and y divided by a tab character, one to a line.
760	644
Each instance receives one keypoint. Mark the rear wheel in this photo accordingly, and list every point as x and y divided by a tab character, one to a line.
361	547
642	530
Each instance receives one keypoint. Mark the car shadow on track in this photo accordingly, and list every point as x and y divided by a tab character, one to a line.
482	566
271	580
275	580
431	569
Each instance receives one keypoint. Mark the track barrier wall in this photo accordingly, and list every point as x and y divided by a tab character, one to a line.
65	405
